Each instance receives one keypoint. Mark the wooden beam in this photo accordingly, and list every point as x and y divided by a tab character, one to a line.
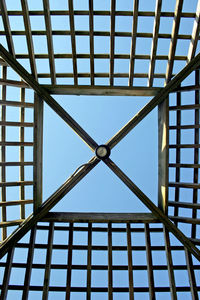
110	267
112	40
130	262
6	24
149	263
195	34
7	273
161	96
163	154
133	42
74	217
73	40
29	38
49	40
47	98
46	206
154	42
101	90
21	153
154	209
91	55
38	152
174	37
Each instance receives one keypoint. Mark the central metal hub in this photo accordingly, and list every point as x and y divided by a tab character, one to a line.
102	151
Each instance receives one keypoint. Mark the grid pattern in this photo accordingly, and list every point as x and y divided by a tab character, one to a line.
109	43
184	165
91	260
17	107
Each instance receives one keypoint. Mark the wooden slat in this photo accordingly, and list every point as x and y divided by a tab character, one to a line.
184	146
16	202
69	262
6	24
185	165
196	154
149	263
48	262
18	124
154	42
153	208
184	107
7	272
195	34
3	153
73	40
130	263
89	261
16	143
14	83
11	223
100	217
191	274
184	204
29	38
133	42
184	185
163	154
112	39
15	183
91	56
174	36
110	270
29	264
47	97
183	127
38	152
21	153
49	40
185	220
16	163
170	265
16	104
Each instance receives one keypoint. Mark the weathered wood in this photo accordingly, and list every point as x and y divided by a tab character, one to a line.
112	39
16	104
195	34
16	202
7	273
91	56
154	42
184	204
38	152
69	262
149	264
100	217
89	261
154	209
163	154
110	269
21	154
133	42
191	274
130	263
14	83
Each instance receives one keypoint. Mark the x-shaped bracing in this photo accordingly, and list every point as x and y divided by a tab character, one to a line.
85	169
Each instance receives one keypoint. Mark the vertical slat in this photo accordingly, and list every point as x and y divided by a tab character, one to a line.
163	154
3	153
174	37
91	21
149	263
38	151
195	34
169	264
130	262
69	261
6	24
7	272
196	153
110	276
73	40
48	262
29	264
133	42
29	38
112	40
178	151
21	154
154	42
191	275
89	261
49	40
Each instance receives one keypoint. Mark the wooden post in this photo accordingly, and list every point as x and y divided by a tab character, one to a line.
163	154
38	151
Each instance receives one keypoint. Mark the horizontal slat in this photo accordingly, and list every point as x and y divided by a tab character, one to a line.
185	185
184	127
185	220
16	163
16	144
15	202
11	223
18	124
16	183
184	204
184	146
184	165
184	107
14	83
16	103
100	217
